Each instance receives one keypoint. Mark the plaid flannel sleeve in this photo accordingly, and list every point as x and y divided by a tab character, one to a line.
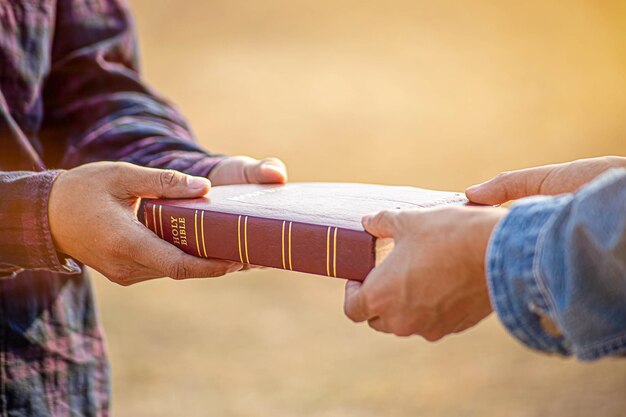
98	107
25	240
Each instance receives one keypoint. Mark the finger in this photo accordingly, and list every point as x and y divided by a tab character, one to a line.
354	306
378	324
135	181
462	326
159	255
510	186
250	267
374	296
266	171
383	224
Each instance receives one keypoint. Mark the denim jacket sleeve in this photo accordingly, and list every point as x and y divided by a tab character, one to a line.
564	258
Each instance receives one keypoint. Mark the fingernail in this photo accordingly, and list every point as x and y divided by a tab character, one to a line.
473	188
365	221
272	172
198	183
271	166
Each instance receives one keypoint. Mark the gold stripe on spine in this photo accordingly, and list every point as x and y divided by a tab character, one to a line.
239	238
328	252
290	264
335	253
145	217
154	223
195	231
161	220
245	238
202	232
282	238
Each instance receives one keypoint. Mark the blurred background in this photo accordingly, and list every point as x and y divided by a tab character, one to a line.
434	94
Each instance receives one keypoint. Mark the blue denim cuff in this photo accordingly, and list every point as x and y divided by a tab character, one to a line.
512	259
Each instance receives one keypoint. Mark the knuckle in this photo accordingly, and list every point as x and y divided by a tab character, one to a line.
167	178
367	301
433	335
178	271
385	218
503	175
119	170
402	331
402	328
372	304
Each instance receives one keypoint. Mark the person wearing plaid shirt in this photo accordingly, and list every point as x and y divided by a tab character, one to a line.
71	96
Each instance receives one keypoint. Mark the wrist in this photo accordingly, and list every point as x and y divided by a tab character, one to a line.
615	161
483	230
54	210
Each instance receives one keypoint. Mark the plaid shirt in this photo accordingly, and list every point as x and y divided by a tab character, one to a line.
70	93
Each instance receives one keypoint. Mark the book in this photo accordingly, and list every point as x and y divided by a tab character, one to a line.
307	227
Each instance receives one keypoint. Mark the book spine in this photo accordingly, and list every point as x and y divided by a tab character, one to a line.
293	246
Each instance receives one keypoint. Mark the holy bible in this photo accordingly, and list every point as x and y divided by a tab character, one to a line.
306	227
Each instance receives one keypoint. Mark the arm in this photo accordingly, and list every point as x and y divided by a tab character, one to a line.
97	106
557	270
559	260
88	213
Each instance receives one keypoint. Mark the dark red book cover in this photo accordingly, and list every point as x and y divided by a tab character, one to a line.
306	227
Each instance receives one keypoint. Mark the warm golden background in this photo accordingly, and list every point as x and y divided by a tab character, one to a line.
437	94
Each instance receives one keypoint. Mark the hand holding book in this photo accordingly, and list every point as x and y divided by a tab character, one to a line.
91	213
434	282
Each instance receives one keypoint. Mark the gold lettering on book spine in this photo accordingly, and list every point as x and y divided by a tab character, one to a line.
161	220
282	252
195	231
335	253
202	232
239	238
245	238
290	265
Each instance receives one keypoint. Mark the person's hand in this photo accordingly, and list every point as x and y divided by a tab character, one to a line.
543	180
246	170
433	282
92	217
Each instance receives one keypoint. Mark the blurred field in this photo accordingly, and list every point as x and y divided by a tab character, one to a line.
436	94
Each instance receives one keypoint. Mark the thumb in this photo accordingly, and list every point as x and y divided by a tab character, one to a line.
266	171
136	181
354	305
383	224
509	186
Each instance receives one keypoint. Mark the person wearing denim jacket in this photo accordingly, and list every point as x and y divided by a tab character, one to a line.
553	266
